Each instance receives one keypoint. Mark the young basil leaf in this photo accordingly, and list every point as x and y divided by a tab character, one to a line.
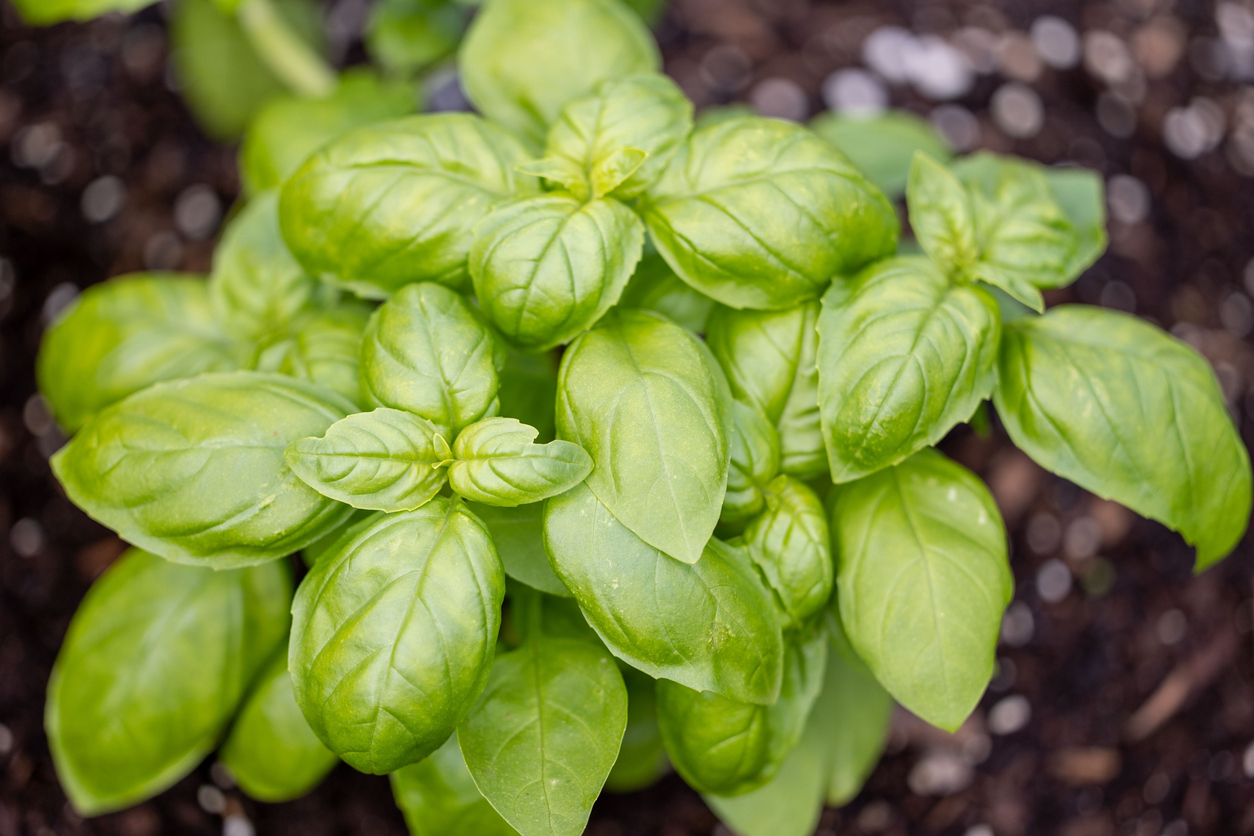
393	636
865	710
904	355
528	391
941	216
648	402
256	286
882	146
287	131
496	462
154	664
655	287
271	751
394	203
923	580
124	335
790	543
523	60
771	361
647	113
407	36
439	797
546	268
518	534
325	349
719	745
1129	413
385	460
710	625
546	732
754	462
760	213
193	470
427	351
642	757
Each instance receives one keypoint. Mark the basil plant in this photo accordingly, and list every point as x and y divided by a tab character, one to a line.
608	443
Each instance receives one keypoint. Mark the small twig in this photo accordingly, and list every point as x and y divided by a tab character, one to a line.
1187	679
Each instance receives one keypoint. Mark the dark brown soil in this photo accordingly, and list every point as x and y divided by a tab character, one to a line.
1140	679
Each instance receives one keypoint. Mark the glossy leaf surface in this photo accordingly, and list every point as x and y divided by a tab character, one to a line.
754	462
790	543
497	462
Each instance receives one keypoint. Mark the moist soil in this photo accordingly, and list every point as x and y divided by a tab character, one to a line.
1124	699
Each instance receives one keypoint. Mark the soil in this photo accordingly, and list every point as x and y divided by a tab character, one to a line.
1124	701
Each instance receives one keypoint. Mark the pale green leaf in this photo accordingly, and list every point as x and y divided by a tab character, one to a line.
497	462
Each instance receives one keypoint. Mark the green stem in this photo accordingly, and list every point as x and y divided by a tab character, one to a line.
292	59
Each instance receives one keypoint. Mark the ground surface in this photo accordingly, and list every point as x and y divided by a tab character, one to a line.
1125	698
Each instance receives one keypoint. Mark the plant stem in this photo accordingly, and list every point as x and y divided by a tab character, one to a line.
293	60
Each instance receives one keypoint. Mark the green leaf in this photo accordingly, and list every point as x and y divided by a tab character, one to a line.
546	732
655	287
523	60
613	170
546	268
497	462
393	636
407	36
771	362
790	543
1081	194
271	752
44	12
883	145
394	203
710	625
647	401
528	391
193	470
519	537
904	355
439	798
154	664
324	349
719	745
754	462
427	351
642	758
645	113
288	130
385	460
760	213
941	216
1131	414
124	335
257	288
923	580
864	710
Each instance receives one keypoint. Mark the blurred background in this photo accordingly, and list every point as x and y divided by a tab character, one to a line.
1124	696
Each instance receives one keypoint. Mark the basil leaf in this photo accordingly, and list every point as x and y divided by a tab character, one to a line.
325	349
124	335
385	460
882	145
271	751
288	130
649	404
655	287
754	461
646	112
193	470
439	798
904	355
393	636
923	580
407	36
528	391
642	757
1081	194
395	203
523	60
497	463
771	362
546	268
518	534
153	666
44	12
710	625
719	745
941	216
1131	414
427	351
760	213
545	734
256	286
865	711
790	543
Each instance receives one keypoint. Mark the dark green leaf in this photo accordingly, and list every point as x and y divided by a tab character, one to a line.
324	349
407	36
439	798
790	543
754	462
642	757
528	391
655	287
864	711
882	145
519	537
